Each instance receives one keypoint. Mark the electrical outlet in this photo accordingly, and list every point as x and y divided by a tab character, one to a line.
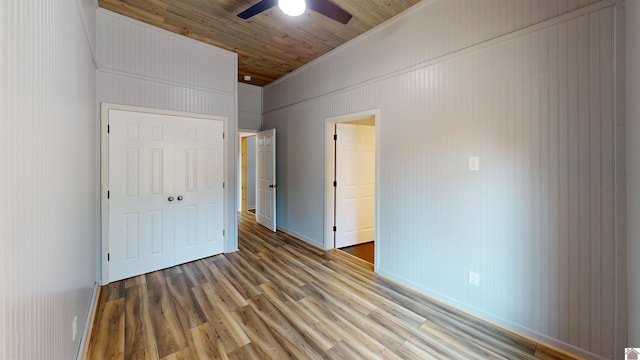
474	278
474	163
74	328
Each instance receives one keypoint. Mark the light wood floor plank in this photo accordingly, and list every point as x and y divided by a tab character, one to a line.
207	343
357	338
281	298
261	336
169	333
342	350
250	273
307	325
240	282
359	324
186	308
219	316
139	336
193	274
148	353
291	339
227	292
410	351
184	354
247	352
109	334
426	342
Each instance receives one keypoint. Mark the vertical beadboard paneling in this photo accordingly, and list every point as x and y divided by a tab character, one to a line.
143	66
609	142
538	220
4	180
249	107
361	62
139	49
49	211
594	217
633	163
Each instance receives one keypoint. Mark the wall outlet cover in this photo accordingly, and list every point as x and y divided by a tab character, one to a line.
474	163
74	328
474	278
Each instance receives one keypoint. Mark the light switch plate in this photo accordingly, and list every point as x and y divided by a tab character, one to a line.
474	163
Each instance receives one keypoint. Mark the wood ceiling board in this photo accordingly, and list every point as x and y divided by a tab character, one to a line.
270	44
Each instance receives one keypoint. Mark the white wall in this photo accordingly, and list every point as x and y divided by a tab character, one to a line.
528	87
633	173
48	175
249	107
141	65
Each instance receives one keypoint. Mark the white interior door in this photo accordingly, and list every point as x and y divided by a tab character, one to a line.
355	177
141	218
198	189
166	195
266	179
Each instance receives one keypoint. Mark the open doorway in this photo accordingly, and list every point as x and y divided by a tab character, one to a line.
247	172
351	189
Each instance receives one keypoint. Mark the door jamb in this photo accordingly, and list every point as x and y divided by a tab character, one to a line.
104	171
241	135
329	160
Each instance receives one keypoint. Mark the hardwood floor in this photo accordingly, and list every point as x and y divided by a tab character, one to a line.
363	251
280	298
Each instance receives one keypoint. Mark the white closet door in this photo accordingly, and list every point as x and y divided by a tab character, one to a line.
355	176
141	217
199	189
166	195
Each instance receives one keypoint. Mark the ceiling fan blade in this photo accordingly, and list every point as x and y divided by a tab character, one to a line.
258	8
329	9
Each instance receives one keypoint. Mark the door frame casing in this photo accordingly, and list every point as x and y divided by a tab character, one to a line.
242	133
104	171
329	160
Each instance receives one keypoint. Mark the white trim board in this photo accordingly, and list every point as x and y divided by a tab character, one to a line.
83	350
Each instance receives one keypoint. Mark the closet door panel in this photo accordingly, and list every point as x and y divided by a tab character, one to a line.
199	189
141	181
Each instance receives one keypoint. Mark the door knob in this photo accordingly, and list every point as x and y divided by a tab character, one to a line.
272	185
170	198
180	198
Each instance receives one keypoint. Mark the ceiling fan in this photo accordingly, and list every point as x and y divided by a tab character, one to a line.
324	7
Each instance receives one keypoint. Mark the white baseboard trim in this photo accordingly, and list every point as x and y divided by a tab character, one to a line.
539	338
88	325
301	237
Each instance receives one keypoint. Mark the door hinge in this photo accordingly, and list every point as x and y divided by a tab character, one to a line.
222	232
108	128
108	257
223	136
335	183
335	137
223	184
108	194
334	228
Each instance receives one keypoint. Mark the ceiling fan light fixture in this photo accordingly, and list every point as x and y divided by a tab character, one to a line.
292	7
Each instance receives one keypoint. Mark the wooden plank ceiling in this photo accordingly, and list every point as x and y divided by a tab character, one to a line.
269	45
